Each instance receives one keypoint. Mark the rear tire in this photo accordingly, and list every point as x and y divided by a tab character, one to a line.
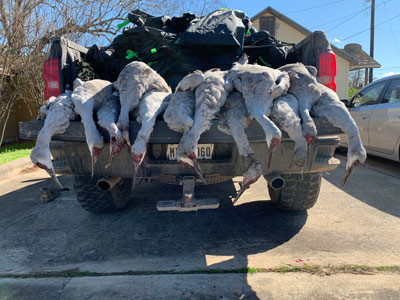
94	200
300	191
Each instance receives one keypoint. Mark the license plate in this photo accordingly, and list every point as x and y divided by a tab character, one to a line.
204	151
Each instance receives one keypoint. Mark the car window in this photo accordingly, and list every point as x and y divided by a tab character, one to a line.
393	92
369	96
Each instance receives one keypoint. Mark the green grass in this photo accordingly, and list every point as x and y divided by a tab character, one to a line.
311	269
12	152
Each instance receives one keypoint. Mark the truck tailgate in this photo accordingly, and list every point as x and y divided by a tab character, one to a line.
162	134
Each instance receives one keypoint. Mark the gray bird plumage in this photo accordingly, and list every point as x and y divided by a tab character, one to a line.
323	102
210	96
285	113
234	120
58	114
133	82
259	86
88	97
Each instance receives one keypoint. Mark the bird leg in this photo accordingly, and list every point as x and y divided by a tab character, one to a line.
51	173
116	146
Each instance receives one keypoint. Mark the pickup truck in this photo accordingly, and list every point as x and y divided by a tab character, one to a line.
289	187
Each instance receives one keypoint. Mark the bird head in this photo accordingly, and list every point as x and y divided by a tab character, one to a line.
95	148
117	143
354	159
138	151
191	162
41	157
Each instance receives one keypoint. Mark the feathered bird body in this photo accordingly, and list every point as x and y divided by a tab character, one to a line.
152	104
107	116
330	107
87	97
304	86
133	82
324	102
58	114
179	113
234	120
210	96
285	112
259	86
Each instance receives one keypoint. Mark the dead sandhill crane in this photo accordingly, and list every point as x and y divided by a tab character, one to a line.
210	96
152	104
234	120
133	82
285	113
323	102
58	114
259	85
107	116
88	97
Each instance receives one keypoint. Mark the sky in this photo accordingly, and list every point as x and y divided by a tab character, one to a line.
344	21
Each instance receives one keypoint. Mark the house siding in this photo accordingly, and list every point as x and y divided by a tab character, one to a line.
286	33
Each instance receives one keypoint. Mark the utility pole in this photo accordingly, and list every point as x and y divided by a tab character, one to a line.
371	45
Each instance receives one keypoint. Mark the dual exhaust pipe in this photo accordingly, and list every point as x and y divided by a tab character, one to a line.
107	183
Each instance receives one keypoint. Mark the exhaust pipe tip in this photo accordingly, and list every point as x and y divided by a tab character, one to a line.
275	181
107	183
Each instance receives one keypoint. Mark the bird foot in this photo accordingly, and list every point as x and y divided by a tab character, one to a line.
349	171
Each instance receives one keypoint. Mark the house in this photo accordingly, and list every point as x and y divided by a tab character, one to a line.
286	30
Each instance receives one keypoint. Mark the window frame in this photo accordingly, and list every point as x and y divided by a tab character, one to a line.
274	24
386	89
380	96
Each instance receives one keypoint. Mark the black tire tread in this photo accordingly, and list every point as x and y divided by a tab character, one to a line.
96	201
300	191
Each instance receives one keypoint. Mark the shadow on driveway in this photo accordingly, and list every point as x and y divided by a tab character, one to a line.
61	235
376	182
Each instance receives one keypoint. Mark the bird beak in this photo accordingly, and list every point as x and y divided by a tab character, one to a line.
137	161
96	152
349	171
196	167
125	135
274	143
51	173
243	187
115	149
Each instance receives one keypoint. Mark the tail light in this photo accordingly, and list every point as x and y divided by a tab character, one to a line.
51	77
327	69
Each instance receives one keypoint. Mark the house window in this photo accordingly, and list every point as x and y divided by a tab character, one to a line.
268	23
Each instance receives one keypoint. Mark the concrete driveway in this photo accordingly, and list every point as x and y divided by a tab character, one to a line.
346	247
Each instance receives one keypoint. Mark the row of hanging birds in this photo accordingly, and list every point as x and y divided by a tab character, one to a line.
285	97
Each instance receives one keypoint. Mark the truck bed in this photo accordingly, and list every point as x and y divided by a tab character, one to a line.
71	154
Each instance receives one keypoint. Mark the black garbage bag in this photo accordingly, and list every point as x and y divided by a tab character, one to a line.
177	46
264	49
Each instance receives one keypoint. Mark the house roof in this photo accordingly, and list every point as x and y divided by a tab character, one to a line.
364	60
352	60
